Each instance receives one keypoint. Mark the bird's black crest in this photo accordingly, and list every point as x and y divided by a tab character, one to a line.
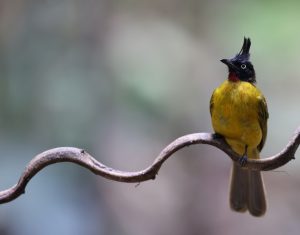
244	54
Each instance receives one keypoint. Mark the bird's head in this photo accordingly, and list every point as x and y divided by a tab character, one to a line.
240	68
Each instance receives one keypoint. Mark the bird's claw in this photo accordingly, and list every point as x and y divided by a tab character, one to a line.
217	136
243	160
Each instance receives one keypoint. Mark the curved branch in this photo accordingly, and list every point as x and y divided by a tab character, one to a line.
81	157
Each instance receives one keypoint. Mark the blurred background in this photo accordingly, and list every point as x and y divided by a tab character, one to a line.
122	79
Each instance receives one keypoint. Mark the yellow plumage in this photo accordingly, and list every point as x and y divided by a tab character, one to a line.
239	113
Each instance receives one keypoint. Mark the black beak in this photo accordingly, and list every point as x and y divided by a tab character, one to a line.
230	65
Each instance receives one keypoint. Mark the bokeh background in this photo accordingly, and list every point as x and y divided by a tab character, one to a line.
122	79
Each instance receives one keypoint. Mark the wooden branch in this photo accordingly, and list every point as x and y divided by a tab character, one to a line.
81	157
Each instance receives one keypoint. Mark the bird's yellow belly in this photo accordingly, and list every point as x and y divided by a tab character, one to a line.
235	116
235	123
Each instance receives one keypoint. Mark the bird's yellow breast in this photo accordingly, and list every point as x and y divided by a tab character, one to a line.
234	112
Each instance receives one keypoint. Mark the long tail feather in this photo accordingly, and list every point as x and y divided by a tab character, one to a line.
257	204
247	191
238	195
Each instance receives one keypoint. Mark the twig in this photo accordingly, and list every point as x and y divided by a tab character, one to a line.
81	157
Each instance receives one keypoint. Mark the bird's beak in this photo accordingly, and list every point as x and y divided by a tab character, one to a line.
230	65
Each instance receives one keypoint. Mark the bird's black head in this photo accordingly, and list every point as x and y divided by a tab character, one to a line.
240	67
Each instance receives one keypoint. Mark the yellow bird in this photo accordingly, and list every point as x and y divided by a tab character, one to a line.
239	113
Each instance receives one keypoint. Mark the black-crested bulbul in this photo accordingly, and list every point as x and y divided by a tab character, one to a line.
239	113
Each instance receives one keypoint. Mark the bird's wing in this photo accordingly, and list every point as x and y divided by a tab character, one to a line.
263	116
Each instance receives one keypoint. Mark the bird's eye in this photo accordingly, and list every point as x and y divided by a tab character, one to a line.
243	66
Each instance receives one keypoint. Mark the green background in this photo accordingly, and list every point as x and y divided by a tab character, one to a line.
122	79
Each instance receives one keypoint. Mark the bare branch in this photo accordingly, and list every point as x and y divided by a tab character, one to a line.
81	157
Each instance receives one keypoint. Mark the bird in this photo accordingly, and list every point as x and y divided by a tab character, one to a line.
239	114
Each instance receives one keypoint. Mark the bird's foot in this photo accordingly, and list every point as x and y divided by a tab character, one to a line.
243	160
217	136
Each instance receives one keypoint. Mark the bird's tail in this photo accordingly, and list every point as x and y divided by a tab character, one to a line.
247	191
